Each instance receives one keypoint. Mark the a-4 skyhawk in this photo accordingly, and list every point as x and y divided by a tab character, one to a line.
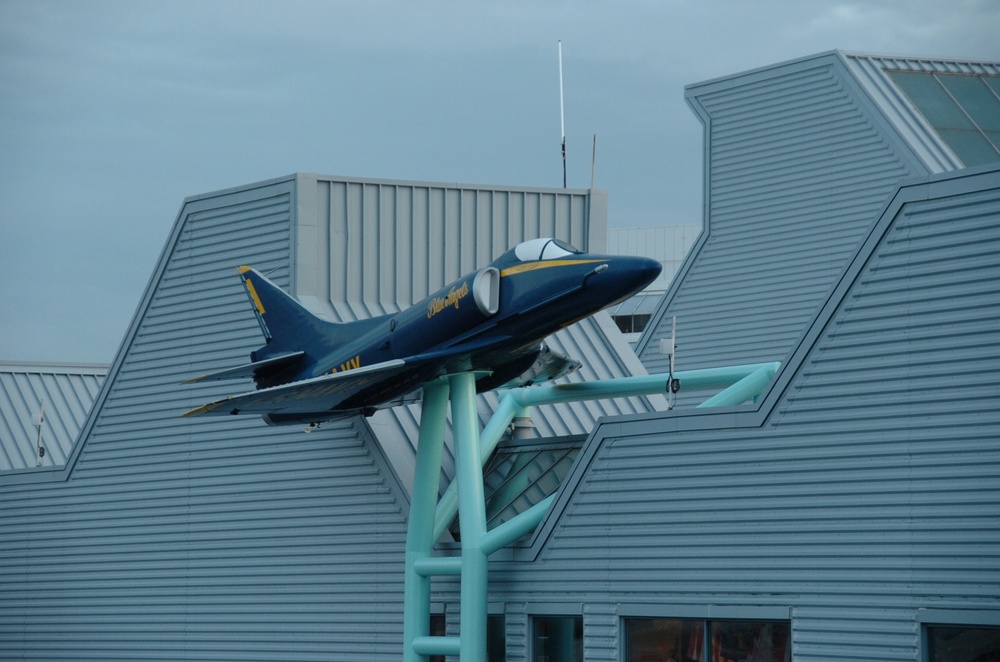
492	322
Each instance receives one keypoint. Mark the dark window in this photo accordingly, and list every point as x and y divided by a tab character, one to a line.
557	639
496	636
437	630
957	643
685	640
631	323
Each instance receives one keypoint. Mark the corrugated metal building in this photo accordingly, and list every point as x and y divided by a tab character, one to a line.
172	538
853	513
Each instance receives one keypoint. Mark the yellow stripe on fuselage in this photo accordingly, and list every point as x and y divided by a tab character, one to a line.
542	264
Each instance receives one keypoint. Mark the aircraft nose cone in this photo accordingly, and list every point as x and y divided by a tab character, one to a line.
629	275
648	269
642	271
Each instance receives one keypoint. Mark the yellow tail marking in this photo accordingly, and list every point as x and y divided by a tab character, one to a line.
253	295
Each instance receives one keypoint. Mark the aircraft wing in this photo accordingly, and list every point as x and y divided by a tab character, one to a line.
248	369
318	395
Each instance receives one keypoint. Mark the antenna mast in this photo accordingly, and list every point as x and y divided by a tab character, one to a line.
593	161
562	115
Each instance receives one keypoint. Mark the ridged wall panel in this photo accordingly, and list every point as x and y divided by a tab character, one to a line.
863	494
208	538
61	395
223	539
797	169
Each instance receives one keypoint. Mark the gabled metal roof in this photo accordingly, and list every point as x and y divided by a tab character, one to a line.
46	403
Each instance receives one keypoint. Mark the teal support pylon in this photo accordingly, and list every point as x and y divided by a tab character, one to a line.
419	539
429	517
741	382
471	516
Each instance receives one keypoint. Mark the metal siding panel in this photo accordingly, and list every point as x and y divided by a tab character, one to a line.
601	629
189	539
66	392
181	539
869	493
797	172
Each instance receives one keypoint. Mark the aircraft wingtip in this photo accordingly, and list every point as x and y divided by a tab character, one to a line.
203	409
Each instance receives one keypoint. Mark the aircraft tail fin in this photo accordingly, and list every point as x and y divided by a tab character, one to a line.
295	336
287	325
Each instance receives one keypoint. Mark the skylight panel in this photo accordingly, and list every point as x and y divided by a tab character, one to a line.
963	109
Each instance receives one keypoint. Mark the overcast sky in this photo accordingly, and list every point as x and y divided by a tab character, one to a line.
112	112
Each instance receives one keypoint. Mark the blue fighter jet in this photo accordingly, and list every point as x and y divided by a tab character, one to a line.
491	322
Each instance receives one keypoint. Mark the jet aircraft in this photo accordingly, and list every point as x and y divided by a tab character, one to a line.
492	321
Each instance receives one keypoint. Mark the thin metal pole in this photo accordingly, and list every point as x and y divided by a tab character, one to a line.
745	389
593	161
562	115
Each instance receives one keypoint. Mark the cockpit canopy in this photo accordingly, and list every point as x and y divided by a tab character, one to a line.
543	248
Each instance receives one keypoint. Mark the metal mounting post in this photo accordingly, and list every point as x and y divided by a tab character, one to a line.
471	516
423	503
429	518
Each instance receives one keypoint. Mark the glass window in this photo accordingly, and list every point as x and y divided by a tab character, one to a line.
557	639
932	99
752	641
964	109
496	638
684	640
956	643
632	323
671	640
976	99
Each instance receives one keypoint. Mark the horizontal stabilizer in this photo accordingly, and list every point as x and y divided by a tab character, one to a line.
306	397
249	369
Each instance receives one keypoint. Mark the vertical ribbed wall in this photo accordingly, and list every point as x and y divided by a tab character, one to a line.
379	246
207	539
